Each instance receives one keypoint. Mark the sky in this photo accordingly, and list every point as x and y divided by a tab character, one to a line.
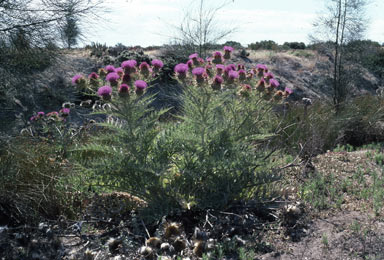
152	22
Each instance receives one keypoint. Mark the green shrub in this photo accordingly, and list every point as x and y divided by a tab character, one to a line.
37	178
308	129
219	157
97	49
295	45
36	182
316	128
137	55
264	45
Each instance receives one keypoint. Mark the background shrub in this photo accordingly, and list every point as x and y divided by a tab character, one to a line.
264	45
314	129
294	45
36	182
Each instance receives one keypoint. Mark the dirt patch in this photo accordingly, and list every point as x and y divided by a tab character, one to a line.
346	235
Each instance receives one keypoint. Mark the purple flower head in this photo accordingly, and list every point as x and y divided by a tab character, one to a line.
201	61
230	76
227	52
158	64
93	75
129	64
229	68
124	90
289	91
105	92
199	71
110	68
261	67
144	68
268	75
119	71
242	74
232	66
217	58
53	114
32	118
76	78
181	68
218	79
240	67
220	68
193	56
233	74
190	64
217	54
40	114
141	84
228	48
261	85
112	77
209	60
274	83
64	112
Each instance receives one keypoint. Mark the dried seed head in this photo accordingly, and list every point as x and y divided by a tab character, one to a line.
179	244
153	242
172	229
146	251
199	248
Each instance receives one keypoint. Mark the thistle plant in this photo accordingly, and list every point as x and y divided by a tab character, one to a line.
219	153
212	156
53	128
121	152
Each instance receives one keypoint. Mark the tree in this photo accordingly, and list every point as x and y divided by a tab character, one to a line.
200	28
40	19
29	34
70	30
344	22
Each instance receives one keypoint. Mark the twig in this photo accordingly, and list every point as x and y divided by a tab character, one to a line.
207	220
230	213
146	230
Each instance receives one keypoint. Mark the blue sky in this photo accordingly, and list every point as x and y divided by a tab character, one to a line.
149	22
